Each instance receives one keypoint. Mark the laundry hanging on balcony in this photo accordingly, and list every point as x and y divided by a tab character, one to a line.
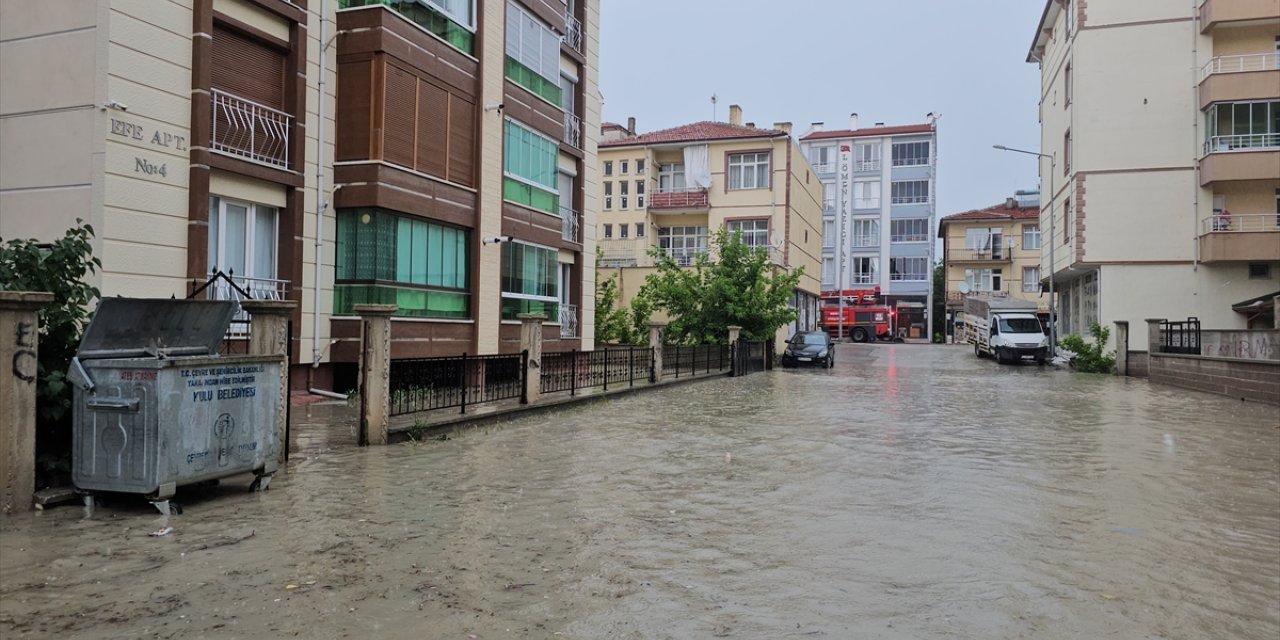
697	167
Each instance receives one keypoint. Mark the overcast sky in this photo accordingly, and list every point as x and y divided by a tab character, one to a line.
804	61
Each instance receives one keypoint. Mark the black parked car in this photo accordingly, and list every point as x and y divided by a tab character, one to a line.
809	347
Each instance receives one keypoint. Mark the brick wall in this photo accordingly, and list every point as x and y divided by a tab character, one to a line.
1139	364
1251	380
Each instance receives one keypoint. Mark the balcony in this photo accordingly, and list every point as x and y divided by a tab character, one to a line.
570	221
1214	12
1239	78
568	320
679	200
573	32
1244	157
249	130
624	253
1249	237
986	254
224	286
573	130
829	207
824	167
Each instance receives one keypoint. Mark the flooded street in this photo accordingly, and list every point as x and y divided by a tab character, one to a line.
911	492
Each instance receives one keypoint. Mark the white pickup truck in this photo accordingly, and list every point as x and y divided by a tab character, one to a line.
1006	329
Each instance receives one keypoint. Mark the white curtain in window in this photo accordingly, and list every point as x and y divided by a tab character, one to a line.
697	166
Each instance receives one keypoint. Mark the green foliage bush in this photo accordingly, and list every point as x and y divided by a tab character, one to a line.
59	268
1090	358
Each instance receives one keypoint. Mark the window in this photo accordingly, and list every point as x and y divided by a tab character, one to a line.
639	194
1066	152
608	167
829	197
908	269
623	166
639	229
1030	279
639	165
529	280
984	280
671	176
866	194
866	157
823	159
242	243
909	230
622	231
1030	236
1066	86
533	54
908	154
749	170
755	233
977	239
1259	271
910	192
866	232
828	233
683	244
1242	125
387	258
451	20
622	191
1066	221
608	195
529	167
829	273
866	270
608	231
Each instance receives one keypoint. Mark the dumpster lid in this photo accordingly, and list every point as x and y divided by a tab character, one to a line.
156	327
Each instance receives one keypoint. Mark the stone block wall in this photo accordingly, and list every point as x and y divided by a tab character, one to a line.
1250	380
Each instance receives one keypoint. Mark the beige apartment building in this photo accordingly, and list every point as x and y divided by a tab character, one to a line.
993	251
671	190
1162	197
192	136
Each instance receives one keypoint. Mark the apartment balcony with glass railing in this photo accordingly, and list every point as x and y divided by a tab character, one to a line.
823	167
251	131
1240	78
1247	237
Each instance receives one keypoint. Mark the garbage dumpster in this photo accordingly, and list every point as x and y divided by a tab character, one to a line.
156	407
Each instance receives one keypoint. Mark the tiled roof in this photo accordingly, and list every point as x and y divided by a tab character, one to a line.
869	132
997	212
696	132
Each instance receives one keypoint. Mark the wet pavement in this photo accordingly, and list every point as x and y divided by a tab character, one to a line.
911	492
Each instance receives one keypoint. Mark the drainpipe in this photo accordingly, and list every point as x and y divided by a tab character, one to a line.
321	201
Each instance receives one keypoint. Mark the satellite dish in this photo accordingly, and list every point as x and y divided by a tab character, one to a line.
964	287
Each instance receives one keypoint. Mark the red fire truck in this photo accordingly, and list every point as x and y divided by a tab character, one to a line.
865	317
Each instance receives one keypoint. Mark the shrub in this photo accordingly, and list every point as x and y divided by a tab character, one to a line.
1090	358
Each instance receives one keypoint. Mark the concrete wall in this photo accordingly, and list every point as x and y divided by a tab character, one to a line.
1249	380
591	169
1258	344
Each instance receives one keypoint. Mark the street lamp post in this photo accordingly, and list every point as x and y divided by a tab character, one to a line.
1053	302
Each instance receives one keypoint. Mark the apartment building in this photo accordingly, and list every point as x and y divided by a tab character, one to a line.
193	136
672	189
185	132
879	191
994	251
1162	120
465	172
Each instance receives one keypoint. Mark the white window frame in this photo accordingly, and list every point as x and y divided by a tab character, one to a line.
622	230
868	275
910	160
623	167
918	192
608	194
866	156
866	194
755	231
1031	284
865	232
622	193
901	269
639	229
829	233
909	230
1031	236
608	231
683	243
747	170
639	194
250	241
468	23
671	176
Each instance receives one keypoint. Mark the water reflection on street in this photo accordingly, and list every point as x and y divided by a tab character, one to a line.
911	492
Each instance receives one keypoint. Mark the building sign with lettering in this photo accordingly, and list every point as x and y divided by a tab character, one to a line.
154	137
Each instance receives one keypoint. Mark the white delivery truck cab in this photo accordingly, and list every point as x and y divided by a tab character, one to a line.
1005	329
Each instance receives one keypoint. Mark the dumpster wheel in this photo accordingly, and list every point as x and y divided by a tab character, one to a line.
261	483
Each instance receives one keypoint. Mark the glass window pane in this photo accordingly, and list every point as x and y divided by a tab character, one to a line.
264	243
214	258
237	222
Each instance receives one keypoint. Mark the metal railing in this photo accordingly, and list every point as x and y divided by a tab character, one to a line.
573	32
229	286
568	320
1180	336
824	167
1250	222
1241	64
1247	142
573	129
752	357
828	206
250	130
691	360
684	256
424	384
623	253
908	199
686	198
985	254
866	165
569	223
573	370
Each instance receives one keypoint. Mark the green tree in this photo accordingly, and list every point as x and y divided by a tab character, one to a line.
60	268
739	287
939	302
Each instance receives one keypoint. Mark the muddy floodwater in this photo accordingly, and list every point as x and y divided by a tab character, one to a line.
910	492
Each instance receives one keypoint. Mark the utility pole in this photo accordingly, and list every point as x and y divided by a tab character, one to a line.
1053	302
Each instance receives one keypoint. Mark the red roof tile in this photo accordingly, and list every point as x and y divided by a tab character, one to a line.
696	132
869	132
997	212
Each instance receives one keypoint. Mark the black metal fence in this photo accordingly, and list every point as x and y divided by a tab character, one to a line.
574	370
698	359
753	356
423	384
1180	337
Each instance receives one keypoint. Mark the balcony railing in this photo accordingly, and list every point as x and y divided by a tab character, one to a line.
687	198
1241	64
1248	142
568	320
250	130
866	165
570	221
573	32
828	206
257	288
684	256
1247	223
573	130
824	167
985	254
624	253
